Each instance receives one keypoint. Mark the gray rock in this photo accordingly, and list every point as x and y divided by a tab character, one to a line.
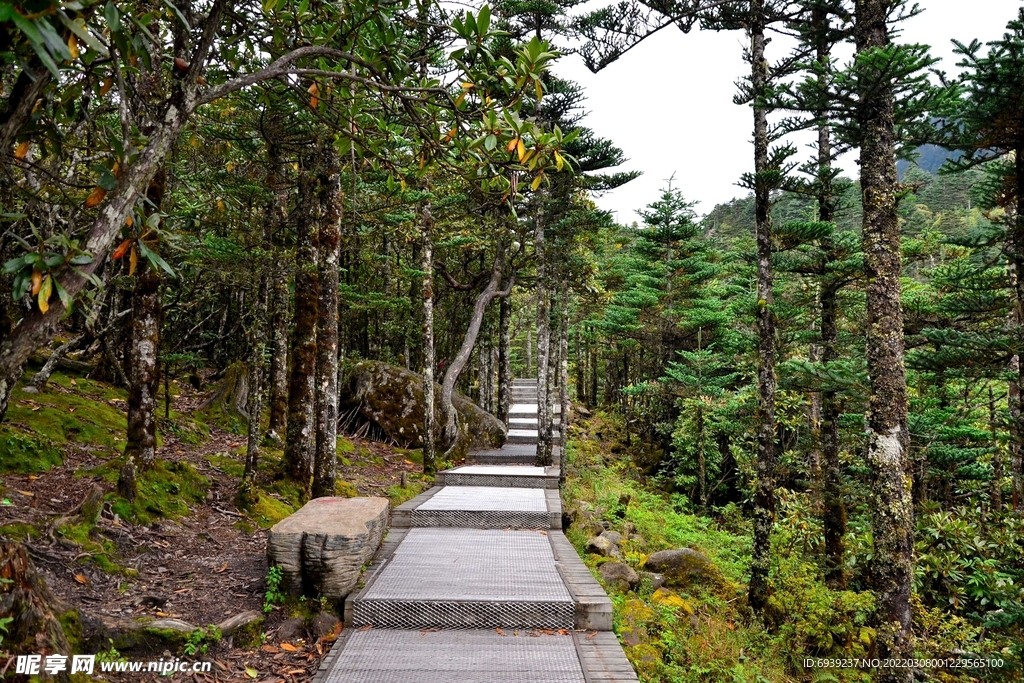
613	536
657	580
683	566
603	546
326	543
323	624
618	574
290	629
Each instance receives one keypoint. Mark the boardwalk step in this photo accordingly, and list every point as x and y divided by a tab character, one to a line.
465	579
517	476
392	656
481	507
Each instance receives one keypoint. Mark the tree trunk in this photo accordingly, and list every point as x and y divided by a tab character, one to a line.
325	466
887	439
273	217
529	350
833	507
764	494
1016	448
278	421
300	440
563	368
450	429
140	451
504	359
427	266
40	379
1017	413
543	458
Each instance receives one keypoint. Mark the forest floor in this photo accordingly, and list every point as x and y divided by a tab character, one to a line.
183	550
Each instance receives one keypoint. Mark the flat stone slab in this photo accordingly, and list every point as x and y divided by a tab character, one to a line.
322	547
518	476
482	507
466	579
392	656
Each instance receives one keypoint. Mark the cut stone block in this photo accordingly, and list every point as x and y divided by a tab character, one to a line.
321	548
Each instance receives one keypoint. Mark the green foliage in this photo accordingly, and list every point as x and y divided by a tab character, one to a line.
273	594
199	640
167	489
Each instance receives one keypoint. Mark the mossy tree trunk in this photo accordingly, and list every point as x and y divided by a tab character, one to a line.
427	266
300	443
1017	414
764	492
31	605
325	466
892	566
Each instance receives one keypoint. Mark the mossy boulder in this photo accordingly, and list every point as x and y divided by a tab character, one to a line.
684	567
392	397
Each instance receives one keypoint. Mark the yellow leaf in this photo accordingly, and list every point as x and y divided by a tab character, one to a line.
43	299
403	185
80	578
73	46
559	162
540	89
95	197
37	280
536	182
133	261
251	672
105	87
467	86
459	100
230	166
314	95
521	149
511	145
221	205
26	493
129	221
289	647
22	151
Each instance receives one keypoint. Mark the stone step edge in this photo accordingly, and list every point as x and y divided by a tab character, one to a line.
401	516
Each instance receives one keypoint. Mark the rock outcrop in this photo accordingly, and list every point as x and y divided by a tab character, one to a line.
322	547
392	398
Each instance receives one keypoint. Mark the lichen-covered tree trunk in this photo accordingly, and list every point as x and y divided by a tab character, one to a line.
140	450
278	420
325	466
427	266
504	359
764	493
892	564
300	442
543	458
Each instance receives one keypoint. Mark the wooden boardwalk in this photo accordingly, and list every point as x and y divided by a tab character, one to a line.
476	583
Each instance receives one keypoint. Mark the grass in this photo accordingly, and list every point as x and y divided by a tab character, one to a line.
168	489
704	633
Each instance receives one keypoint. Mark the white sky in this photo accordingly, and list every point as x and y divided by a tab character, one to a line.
668	102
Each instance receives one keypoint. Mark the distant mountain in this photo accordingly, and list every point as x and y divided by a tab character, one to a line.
929	158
